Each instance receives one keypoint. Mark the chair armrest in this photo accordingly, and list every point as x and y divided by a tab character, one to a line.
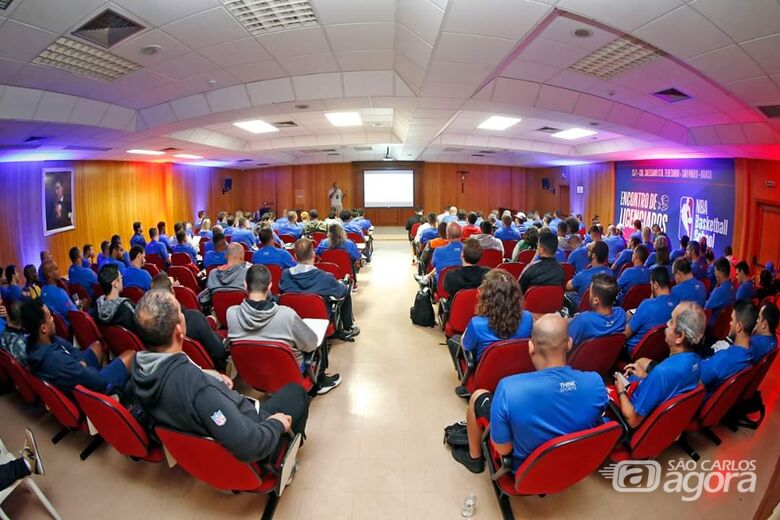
506	460
618	416
471	363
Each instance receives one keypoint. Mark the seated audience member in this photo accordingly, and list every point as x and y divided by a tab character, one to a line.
218	255
764	288
658	241
746	290
13	339
680	251
506	231
260	318
112	309
603	319
637	230
88	255
205	229
709	256
135	275
104	254
450	215
55	297
138	235
78	274
595	234
290	226
269	254
615	242
417	218
469	275
123	255
183	246
156	246
762	342
580	258
677	374
662	260
306	278
11	292
445	256
242	234
562	235
337	240
647	239
230	225
364	223
652	311
428	230
471	227
638	274
577	286
530	240
178	394
162	236
228	277
545	270
716	369
432	245
722	294
116	257
687	288
196	325
31	289
350	226
486	239
315	225
57	361
624	257
45	256
698	263
531	408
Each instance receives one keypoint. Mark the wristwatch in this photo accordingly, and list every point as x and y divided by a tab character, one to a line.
622	392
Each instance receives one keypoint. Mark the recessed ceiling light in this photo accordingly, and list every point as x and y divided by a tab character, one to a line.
376	124
187	156
140	151
573	133
582	32
302	106
498	122
344	118
256	126
150	49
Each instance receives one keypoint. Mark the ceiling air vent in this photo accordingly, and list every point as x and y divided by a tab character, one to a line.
87	148
453	149
671	95
4	4
770	111
85	60
617	57
171	149
107	29
36	139
548	130
487	151
264	16
478	155
334	153
363	148
285	124
263	164
19	146
244	160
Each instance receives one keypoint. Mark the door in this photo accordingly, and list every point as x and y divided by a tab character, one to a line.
768	245
563	201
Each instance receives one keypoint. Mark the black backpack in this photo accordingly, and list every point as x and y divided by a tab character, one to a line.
422	312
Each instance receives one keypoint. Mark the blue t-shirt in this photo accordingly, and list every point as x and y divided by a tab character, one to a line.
446	256
156	247
12	293
349	246
677	253
699	268
690	291
137	240
616	244
273	255
650	313
724	364
722	295
188	249
82	276
760	346
579	258
428	235
206	233
531	408
581	281
287	228
119	264
364	224
673	376
746	291
214	258
228	231
622	259
591	324
137	277
244	236
353	227
631	277
507	233
57	300
478	335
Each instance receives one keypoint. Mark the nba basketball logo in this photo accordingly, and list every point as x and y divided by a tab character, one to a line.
686	217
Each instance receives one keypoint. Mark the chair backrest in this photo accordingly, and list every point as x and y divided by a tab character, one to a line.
563	461
585	302
720	329
152	269
441	292
491	258
61	328
636	295
308	305
652	345
249	256
74	288
223	300
120	339
543	299
84	328
707	283
133	293
509	247
514	268
597	354
724	398
180	259
156	260
276	277
665	424
184	276
287	239
208	461
357	238
339	257
501	359
186	297
760	370
623	268
568	272
197	353
65	410
318	236
17	373
114	422
331	268
97	290
463	308
413	231
526	256
267	365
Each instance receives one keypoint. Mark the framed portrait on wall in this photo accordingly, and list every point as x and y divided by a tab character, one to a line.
57	200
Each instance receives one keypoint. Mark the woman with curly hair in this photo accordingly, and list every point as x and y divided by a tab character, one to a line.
500	313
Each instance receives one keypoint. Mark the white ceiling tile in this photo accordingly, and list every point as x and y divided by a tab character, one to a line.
361	36
158	115
726	65
206	28
369	83
369	60
413	47
228	98
510	19
757	91
624	115
730	134
190	106
87	112
409	71
592	107
318	86
467	48
9	69
337	11
117	117
131	48
449	72
19	103
184	66
529	70
401	88
650	123
449	90
261	70
672	33
554	98
515	92
765	52
161	12
551	53
271	91
759	133
422	17
23	42
55	107
562	30
54	16
574	80
295	42
620	13
236	52
742	20
309	64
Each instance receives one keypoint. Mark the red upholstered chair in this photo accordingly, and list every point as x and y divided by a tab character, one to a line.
84	328
152	269
720	329
568	273
636	295
156	260
202	245
318	237
287	239
81	292
185	277
623	268
117	426
332	268
133	293
357	238
223	300
61	328
413	231
514	268
462	309
759	372
181	259
441	292
186	297
491	258
268	365
197	353
597	354
17	374
120	339
652	345
341	258
276	277
707	284
97	290
661	428
526	256
308	306
501	359
543	299
249	256
585	302
509	247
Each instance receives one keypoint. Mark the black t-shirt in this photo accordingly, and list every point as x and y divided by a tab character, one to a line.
545	271
469	277
414	219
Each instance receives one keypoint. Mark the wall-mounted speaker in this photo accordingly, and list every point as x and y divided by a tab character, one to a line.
545	183
227	185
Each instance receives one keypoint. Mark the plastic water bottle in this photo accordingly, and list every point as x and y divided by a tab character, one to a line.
469	504
76	300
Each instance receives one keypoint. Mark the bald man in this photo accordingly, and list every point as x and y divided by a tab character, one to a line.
529	409
444	256
228	277
55	297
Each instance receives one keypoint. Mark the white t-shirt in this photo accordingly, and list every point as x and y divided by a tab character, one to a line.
335	195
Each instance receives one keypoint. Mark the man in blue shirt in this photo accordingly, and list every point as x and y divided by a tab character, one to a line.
270	254
723	294
603	319
163	236
182	246
679	252
88	255
124	257
506	231
11	292
531	408
115	257
135	275
45	257
625	256
451	253
615	242
639	274
230	227
763	341
289	226
156	246
698	263
580	257
577	286
716	369
55	297
651	312
138	235
746	290
677	374
364	223
637	231
103	255
350	226
79	275
218	256
243	234
687	287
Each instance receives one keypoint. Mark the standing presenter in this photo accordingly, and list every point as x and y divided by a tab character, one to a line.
336	197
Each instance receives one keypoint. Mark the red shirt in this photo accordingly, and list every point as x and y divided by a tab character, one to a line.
468	230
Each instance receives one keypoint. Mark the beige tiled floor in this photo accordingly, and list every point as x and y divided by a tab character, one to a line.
375	443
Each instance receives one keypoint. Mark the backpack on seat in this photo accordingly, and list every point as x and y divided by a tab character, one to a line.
422	312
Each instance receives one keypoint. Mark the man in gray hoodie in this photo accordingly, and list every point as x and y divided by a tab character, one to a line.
228	277
112	309
260	318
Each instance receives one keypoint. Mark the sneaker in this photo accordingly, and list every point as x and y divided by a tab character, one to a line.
30	454
327	383
351	333
421	279
462	391
473	465
289	464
